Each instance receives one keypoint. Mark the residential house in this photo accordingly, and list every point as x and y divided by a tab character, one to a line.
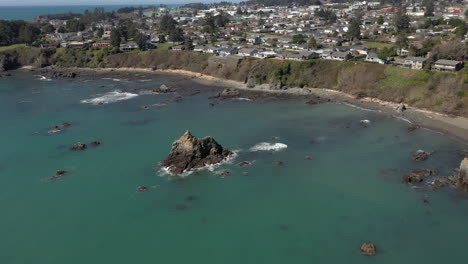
304	55
341	56
199	48
73	44
227	51
128	47
102	44
212	50
416	63
178	47
361	50
254	40
265	54
447	65
245	52
402	52
372	57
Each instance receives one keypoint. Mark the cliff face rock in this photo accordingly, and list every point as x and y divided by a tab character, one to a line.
189	152
463	175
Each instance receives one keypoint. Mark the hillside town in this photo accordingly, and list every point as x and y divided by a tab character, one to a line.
417	35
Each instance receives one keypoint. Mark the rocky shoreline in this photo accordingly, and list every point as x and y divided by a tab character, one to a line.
452	126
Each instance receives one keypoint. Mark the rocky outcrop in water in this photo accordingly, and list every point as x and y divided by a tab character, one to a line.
462	181
421	155
368	249
163	89
401	107
228	92
416	176
189	152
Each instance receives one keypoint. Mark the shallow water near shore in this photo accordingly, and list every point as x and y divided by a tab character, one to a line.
309	210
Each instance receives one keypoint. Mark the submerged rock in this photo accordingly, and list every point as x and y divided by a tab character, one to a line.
78	146
95	143
181	207
224	174
142	188
58	174
192	198
421	155
368	249
189	152
244	163
412	128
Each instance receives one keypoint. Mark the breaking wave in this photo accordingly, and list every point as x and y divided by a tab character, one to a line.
43	78
265	146
403	119
243	99
362	108
110	97
365	121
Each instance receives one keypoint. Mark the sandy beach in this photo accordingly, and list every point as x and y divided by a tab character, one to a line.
456	127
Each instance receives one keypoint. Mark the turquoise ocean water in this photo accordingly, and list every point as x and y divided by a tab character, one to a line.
306	211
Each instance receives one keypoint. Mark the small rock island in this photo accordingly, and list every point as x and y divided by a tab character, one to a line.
189	152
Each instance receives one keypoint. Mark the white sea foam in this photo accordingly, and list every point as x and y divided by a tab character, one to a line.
148	92
243	99
110	97
54	131
265	146
43	78
362	108
365	121
115	79
164	171
403	119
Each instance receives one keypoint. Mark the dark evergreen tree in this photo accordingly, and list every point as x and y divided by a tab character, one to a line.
116	38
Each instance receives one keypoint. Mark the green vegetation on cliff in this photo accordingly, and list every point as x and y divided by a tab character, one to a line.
438	91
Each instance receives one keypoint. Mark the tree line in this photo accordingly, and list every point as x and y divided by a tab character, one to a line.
13	32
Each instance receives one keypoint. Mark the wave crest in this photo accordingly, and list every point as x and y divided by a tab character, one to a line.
110	97
265	146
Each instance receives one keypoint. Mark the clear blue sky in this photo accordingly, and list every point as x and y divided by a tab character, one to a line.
95	2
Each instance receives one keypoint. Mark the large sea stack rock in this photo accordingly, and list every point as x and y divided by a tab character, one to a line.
463	175
189	152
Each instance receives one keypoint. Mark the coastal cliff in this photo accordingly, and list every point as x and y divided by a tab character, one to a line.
437	91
